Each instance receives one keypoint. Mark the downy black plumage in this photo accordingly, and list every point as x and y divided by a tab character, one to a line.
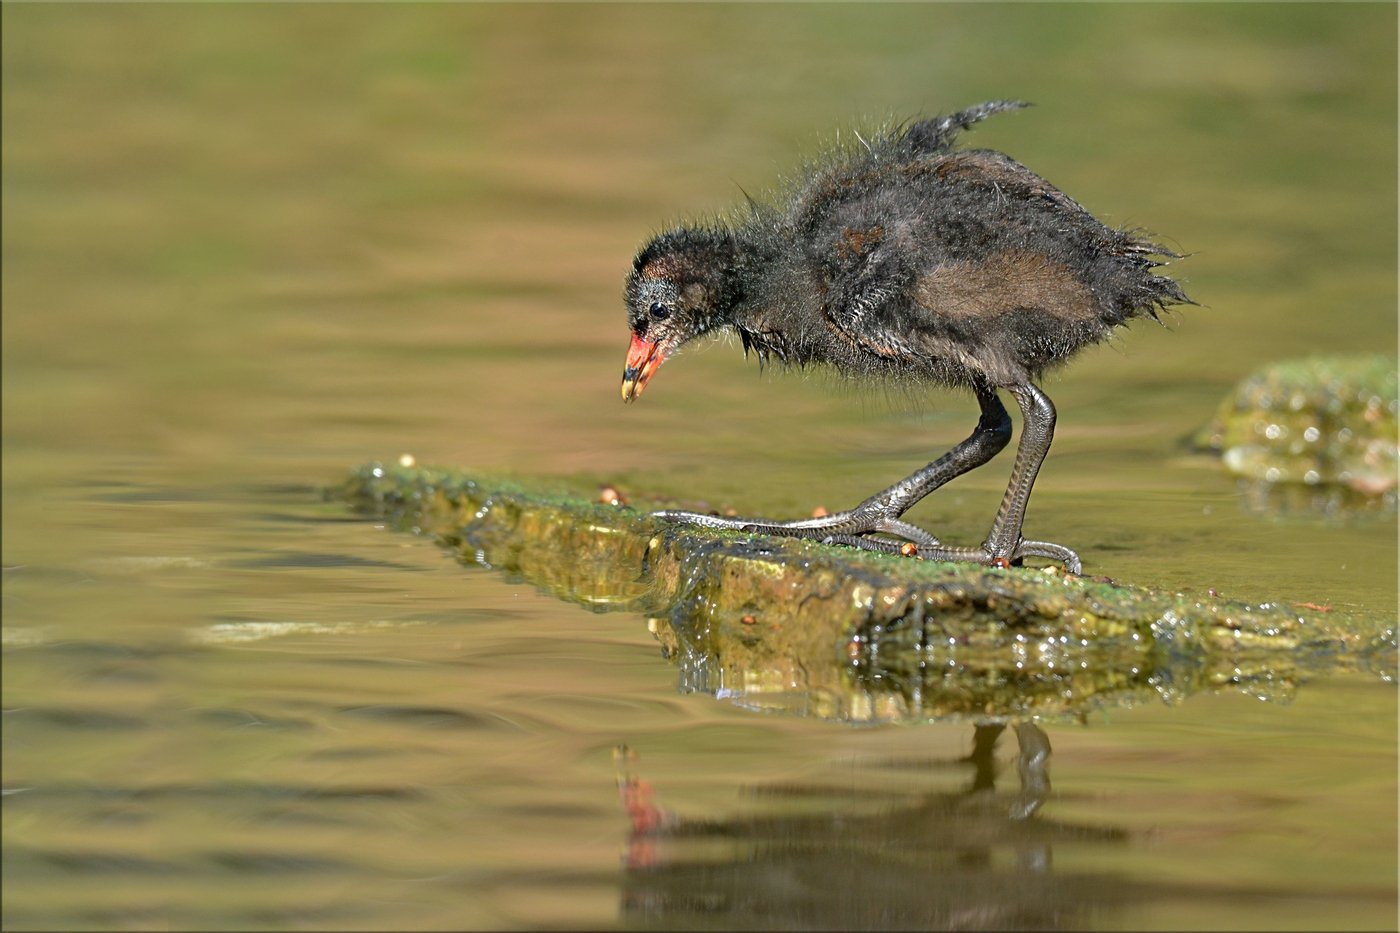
906	259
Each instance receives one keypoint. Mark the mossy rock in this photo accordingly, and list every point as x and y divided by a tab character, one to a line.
1319	433
852	635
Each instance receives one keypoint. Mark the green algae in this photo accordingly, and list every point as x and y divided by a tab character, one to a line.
858	636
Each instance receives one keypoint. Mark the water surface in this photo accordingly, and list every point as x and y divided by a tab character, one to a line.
247	247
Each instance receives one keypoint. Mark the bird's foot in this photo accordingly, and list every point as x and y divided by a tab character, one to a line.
850	528
860	527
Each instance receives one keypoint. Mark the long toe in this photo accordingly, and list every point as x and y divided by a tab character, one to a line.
911	533
990	557
817	528
884	545
700	518
850	528
1053	551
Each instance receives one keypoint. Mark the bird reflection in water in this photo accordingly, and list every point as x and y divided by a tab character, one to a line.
963	858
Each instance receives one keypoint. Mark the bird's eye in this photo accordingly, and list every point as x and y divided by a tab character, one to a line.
660	311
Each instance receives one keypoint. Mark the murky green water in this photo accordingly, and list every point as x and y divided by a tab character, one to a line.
246	247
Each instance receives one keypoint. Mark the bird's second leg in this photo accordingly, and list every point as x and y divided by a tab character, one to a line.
880	514
1004	544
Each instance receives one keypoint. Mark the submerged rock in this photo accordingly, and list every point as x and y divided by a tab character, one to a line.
1318	434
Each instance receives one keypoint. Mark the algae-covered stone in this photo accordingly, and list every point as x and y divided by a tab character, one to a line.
851	635
1320	431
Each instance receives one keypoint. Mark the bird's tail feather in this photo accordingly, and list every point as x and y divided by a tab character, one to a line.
936	134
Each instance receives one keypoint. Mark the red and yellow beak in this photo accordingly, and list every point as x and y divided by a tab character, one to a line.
643	357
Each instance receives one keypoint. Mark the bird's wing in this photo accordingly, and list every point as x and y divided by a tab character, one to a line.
903	289
867	293
1004	177
1001	175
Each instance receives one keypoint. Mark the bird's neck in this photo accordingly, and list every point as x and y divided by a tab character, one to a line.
725	267
774	310
742	279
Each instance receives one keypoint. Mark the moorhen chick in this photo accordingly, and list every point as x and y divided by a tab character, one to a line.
906	260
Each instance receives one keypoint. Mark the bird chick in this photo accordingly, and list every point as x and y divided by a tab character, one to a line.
907	260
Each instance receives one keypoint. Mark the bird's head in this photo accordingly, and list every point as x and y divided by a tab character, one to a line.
683	284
